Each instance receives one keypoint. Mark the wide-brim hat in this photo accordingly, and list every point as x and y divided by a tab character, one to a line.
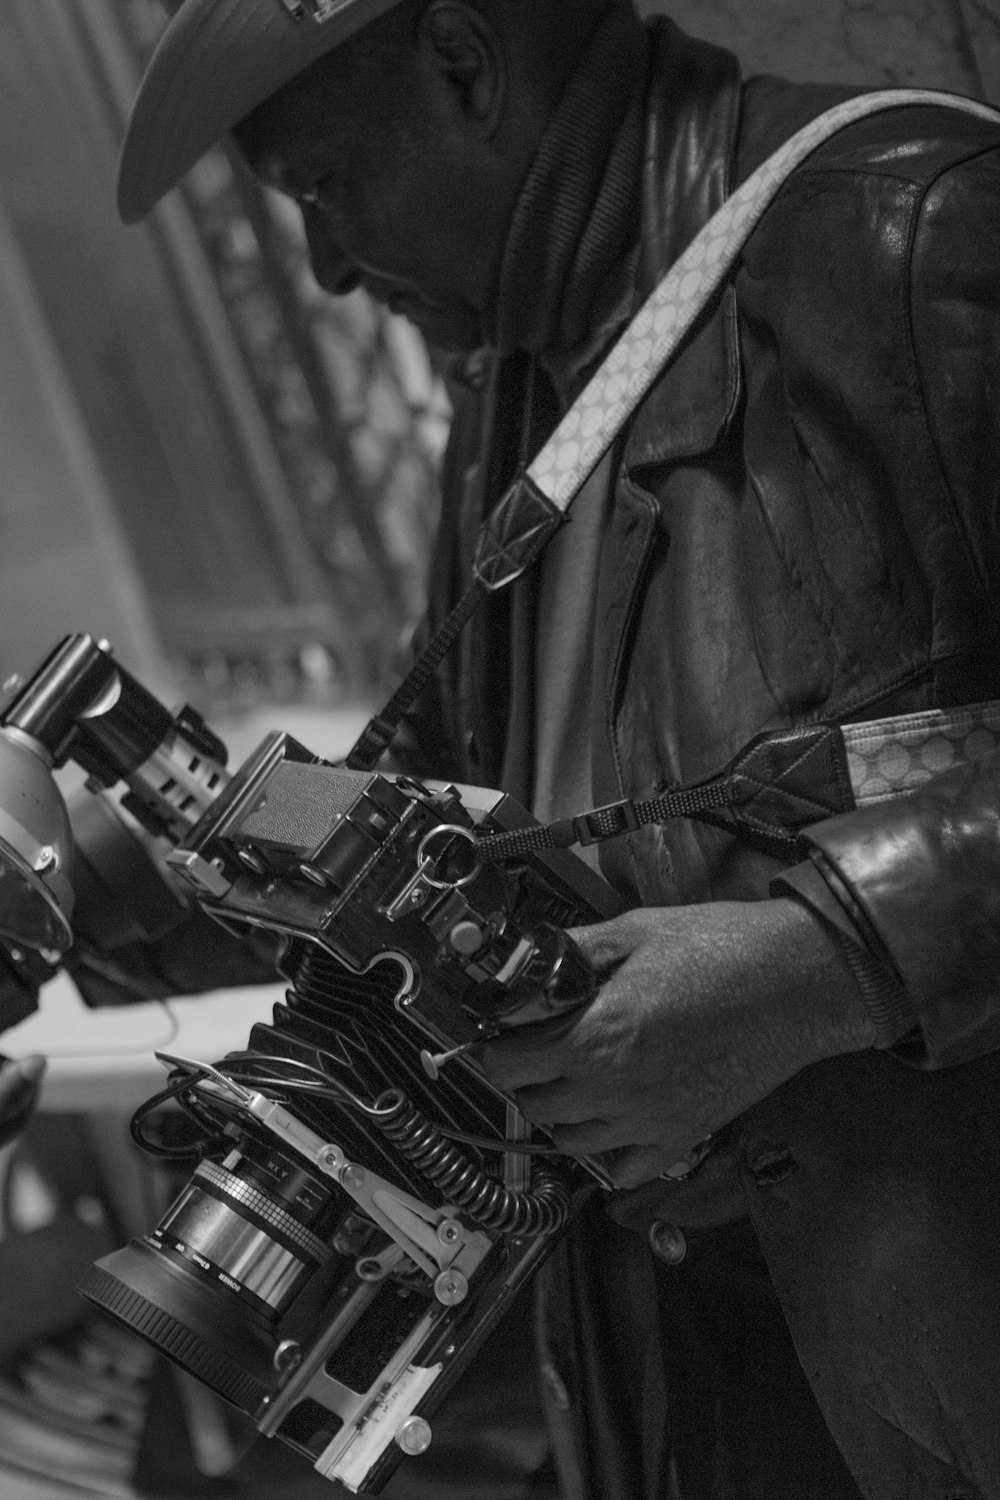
216	61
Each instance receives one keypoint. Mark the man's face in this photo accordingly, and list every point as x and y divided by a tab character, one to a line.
381	170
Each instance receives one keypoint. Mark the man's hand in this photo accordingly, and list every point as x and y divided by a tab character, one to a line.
19	1084
701	1012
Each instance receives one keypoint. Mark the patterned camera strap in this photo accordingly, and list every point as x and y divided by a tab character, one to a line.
782	781
536	504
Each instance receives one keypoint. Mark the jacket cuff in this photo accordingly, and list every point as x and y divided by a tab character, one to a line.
920	877
815	884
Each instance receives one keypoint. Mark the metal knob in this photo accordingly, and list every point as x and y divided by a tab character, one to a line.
668	1242
414	1437
451	1287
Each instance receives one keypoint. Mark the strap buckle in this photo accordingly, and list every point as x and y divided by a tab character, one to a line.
607	822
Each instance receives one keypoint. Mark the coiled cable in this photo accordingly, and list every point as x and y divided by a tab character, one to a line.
543	1210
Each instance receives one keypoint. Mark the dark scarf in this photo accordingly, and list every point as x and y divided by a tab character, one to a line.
577	211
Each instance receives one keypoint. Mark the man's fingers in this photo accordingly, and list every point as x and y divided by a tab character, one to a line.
523	1057
605	944
589	1138
638	1164
558	1103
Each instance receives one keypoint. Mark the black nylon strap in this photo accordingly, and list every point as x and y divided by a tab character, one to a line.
511	538
608	822
378	733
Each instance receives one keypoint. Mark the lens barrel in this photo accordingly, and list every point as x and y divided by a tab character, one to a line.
191	1323
210	1282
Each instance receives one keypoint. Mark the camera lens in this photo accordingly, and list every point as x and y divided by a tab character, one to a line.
210	1282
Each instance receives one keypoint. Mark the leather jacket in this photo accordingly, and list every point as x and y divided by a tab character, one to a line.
805	529
805	525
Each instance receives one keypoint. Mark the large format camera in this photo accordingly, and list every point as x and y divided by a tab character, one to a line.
366	1204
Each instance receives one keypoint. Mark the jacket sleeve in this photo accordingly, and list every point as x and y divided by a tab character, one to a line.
194	957
915	881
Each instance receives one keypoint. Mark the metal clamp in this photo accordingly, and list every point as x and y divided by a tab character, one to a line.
423	883
606	822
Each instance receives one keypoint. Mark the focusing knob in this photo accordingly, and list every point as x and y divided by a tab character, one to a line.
414	1437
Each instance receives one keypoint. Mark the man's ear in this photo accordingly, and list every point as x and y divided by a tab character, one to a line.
469	55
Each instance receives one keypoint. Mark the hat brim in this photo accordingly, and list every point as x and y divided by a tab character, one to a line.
216	61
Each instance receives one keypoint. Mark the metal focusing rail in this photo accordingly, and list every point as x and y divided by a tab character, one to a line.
433	1239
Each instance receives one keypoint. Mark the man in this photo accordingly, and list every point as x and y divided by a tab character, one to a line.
799	525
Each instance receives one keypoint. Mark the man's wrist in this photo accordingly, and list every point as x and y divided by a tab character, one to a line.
822	985
813	887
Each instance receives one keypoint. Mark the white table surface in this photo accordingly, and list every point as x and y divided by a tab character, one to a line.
103	1059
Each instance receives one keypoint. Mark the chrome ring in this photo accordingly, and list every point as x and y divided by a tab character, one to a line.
447	885
244	1194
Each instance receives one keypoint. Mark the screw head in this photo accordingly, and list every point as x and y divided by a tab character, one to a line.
352	1176
331	1158
450	1232
451	1287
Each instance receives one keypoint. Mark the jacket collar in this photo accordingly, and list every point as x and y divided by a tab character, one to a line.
688	169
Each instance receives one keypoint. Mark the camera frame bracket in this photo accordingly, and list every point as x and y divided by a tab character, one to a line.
433	1238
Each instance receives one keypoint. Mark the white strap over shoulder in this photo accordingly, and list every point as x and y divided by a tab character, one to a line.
527	515
593	421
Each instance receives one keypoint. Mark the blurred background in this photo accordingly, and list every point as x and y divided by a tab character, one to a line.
233	480
204	460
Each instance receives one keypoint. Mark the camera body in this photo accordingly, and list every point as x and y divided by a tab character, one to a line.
365	1203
